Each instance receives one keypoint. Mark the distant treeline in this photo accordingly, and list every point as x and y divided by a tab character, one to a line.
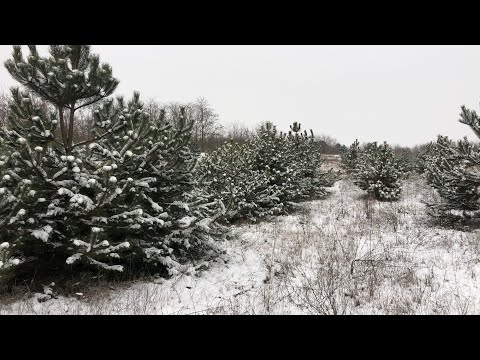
208	132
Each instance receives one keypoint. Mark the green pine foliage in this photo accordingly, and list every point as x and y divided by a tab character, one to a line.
454	172
378	172
422	159
433	156
406	164
350	157
127	197
268	175
230	174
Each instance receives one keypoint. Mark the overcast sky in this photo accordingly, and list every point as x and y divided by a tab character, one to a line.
403	94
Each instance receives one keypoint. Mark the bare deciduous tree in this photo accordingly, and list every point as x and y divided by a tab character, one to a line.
207	131
206	121
328	144
237	132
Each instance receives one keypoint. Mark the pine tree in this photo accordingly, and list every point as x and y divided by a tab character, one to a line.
453	171
307	158
350	157
153	156
378	172
405	163
229	173
70	79
268	175
422	159
128	198
433	156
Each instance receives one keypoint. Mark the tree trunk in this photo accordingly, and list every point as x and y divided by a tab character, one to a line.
70	127
62	128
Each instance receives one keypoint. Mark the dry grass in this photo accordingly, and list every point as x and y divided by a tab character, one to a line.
347	254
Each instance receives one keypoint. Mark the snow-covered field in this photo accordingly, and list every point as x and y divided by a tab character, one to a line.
345	254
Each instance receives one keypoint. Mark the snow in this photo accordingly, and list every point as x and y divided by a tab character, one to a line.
458	213
393	261
156	207
70	260
81	243
82	199
43	233
186	221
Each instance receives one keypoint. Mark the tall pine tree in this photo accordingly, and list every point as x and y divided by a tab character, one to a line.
127	196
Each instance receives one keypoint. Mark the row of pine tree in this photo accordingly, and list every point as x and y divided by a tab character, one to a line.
136	196
451	168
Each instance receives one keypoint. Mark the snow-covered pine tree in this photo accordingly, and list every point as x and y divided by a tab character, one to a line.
268	175
307	158
350	157
454	172
422	159
378	172
127	198
153	163
69	79
40	165
406	163
229	174
433	156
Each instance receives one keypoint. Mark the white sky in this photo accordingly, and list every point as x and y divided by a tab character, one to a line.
403	94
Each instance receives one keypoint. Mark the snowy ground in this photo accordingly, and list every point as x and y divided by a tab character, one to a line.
342	255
